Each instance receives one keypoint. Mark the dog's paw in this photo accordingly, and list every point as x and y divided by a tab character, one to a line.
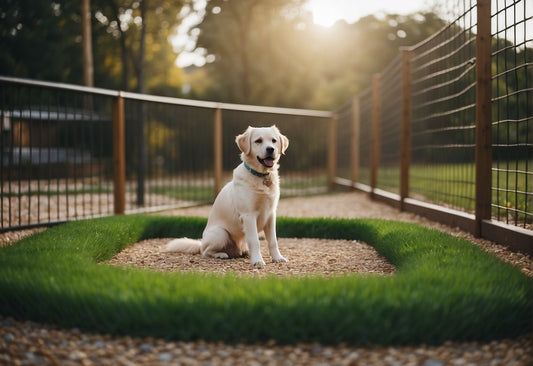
258	262
221	255
279	259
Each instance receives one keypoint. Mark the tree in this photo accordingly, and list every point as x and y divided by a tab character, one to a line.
270	52
257	47
41	40
142	30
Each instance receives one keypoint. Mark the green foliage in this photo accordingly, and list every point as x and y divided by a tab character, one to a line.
445	288
41	40
38	40
266	52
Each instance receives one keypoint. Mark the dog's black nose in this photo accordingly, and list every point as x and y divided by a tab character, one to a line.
270	150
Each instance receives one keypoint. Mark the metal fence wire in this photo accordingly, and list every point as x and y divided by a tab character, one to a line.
426	141
56	155
443	122
169	150
344	146
58	142
365	131
512	110
390	125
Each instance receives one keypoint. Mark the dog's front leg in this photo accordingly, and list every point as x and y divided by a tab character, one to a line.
249	225
272	239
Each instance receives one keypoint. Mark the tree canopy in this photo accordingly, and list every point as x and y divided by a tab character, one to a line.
270	52
42	40
262	52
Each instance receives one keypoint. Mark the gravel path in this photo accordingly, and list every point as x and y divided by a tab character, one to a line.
28	343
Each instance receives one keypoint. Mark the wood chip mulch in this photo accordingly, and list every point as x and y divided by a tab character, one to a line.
306	257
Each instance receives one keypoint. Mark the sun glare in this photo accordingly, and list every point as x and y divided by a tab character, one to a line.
324	13
327	12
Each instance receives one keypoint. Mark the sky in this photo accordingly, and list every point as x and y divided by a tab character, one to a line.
325	13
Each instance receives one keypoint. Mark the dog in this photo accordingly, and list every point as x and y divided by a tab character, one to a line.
246	205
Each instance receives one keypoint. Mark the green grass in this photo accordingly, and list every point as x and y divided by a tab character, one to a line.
290	187
445	288
191	192
453	184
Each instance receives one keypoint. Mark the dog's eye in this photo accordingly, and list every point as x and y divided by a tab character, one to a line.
258	141
274	141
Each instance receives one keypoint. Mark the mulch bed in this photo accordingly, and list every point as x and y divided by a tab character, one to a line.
306	257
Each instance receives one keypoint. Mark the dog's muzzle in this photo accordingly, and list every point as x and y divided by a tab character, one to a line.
267	161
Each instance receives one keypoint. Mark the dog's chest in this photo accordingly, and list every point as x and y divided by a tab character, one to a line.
253	197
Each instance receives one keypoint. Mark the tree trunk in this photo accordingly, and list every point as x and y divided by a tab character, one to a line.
142	51
86	36
141	88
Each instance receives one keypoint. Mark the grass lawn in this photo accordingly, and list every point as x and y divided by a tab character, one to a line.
454	185
290	186
445	288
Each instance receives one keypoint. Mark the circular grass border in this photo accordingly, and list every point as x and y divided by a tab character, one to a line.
445	288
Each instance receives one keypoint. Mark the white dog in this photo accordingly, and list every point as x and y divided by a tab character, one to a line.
246	205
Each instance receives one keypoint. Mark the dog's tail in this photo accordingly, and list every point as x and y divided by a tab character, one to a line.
184	245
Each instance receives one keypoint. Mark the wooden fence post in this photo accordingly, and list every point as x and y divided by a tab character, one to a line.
376	145
354	142
217	149
483	115
119	156
332	152
405	137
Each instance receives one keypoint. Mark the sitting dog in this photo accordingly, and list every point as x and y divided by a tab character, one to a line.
246	205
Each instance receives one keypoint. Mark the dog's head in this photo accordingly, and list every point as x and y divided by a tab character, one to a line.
262	147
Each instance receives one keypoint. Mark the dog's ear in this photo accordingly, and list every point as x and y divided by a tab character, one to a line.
243	141
284	143
283	139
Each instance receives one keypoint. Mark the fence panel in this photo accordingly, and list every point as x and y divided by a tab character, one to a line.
58	144
443	123
57	157
344	146
365	143
390	129
453	153
512	111
169	155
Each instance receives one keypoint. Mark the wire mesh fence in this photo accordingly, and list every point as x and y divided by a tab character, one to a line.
436	143
390	126
512	110
344	146
443	123
58	151
365	131
56	157
169	150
